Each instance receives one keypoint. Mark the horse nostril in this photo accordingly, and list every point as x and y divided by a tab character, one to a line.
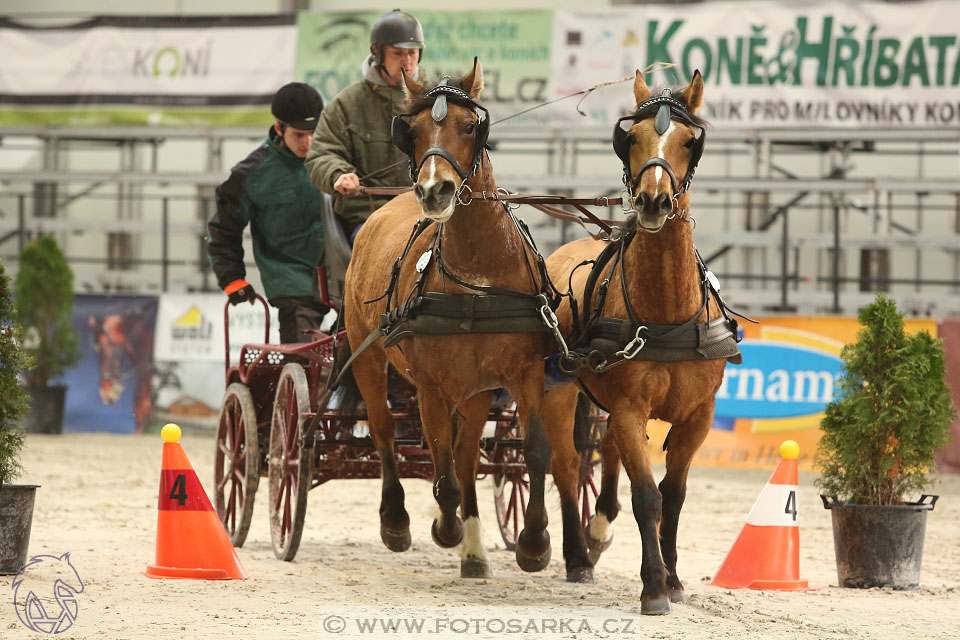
643	201
418	190
664	204
445	190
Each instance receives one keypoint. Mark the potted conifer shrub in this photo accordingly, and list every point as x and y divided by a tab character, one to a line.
893	411
44	308
16	500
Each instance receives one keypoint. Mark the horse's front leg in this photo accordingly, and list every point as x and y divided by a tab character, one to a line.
369	370
473	415
436	415
533	543
559	408
629	430
683	442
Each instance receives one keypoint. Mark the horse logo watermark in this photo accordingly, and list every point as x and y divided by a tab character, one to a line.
45	593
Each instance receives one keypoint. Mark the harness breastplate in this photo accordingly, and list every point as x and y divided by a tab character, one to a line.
606	341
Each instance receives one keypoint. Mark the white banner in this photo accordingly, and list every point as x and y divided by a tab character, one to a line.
189	353
190	328
770	64
197	62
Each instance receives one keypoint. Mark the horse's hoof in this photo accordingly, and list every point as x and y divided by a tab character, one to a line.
583	575
395	540
533	550
475	569
532	564
659	606
677	596
596	547
457	534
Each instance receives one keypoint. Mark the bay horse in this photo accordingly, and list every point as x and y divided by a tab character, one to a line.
453	348
657	338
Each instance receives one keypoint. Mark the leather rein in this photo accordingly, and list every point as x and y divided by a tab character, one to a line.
609	229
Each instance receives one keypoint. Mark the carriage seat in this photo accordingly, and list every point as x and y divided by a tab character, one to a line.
337	249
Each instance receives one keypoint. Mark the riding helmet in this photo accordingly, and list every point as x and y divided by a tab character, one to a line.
297	105
397	29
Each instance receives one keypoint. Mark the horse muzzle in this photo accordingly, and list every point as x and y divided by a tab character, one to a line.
437	198
652	212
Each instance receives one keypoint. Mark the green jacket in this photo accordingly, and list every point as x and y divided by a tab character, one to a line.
353	136
272	192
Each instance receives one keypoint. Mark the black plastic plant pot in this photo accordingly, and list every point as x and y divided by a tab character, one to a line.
16	518
879	546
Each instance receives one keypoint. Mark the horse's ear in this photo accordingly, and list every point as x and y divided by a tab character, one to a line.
640	89
472	83
693	94
411	88
92	321
65	556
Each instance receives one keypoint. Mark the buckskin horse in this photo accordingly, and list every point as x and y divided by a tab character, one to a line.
654	337
453	344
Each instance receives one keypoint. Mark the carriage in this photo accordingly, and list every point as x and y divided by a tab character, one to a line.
267	428
677	355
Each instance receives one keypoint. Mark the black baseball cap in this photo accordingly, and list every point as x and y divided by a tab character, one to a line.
297	105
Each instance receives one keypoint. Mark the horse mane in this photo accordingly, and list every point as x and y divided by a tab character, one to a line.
417	104
676	93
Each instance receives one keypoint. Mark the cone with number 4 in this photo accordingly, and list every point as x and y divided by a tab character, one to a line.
191	541
766	554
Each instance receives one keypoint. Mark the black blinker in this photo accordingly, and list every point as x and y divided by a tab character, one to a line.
401	134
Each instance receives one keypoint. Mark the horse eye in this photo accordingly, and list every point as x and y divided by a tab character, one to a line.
689	143
470	128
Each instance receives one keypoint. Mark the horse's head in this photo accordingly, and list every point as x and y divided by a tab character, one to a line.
110	346
660	142
46	573
444	131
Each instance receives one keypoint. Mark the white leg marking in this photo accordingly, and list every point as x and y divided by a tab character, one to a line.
472	546
658	171
600	528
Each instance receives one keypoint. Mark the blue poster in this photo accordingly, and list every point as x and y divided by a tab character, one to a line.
109	390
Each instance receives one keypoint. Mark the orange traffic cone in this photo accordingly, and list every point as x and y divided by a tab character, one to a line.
191	542
766	554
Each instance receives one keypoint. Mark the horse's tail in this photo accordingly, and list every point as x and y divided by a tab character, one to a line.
349	392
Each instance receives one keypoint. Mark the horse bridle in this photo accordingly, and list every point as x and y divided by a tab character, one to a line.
669	108
403	136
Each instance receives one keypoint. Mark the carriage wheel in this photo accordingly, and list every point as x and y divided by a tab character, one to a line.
289	471
589	448
510	488
236	471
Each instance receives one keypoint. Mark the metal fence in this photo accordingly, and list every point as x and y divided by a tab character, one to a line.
790	221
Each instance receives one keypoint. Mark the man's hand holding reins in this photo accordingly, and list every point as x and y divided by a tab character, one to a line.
346	184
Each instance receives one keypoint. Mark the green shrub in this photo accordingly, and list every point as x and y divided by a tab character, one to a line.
892	413
44	308
13	398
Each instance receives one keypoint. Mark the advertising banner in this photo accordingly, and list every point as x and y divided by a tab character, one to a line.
141	70
769	64
789	373
513	48
110	388
189	352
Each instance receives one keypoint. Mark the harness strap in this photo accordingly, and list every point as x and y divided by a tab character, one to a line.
437	314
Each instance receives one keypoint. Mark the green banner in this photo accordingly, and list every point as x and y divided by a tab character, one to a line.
513	48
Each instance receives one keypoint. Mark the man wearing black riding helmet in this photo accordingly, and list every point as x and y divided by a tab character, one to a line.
353	138
272	192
